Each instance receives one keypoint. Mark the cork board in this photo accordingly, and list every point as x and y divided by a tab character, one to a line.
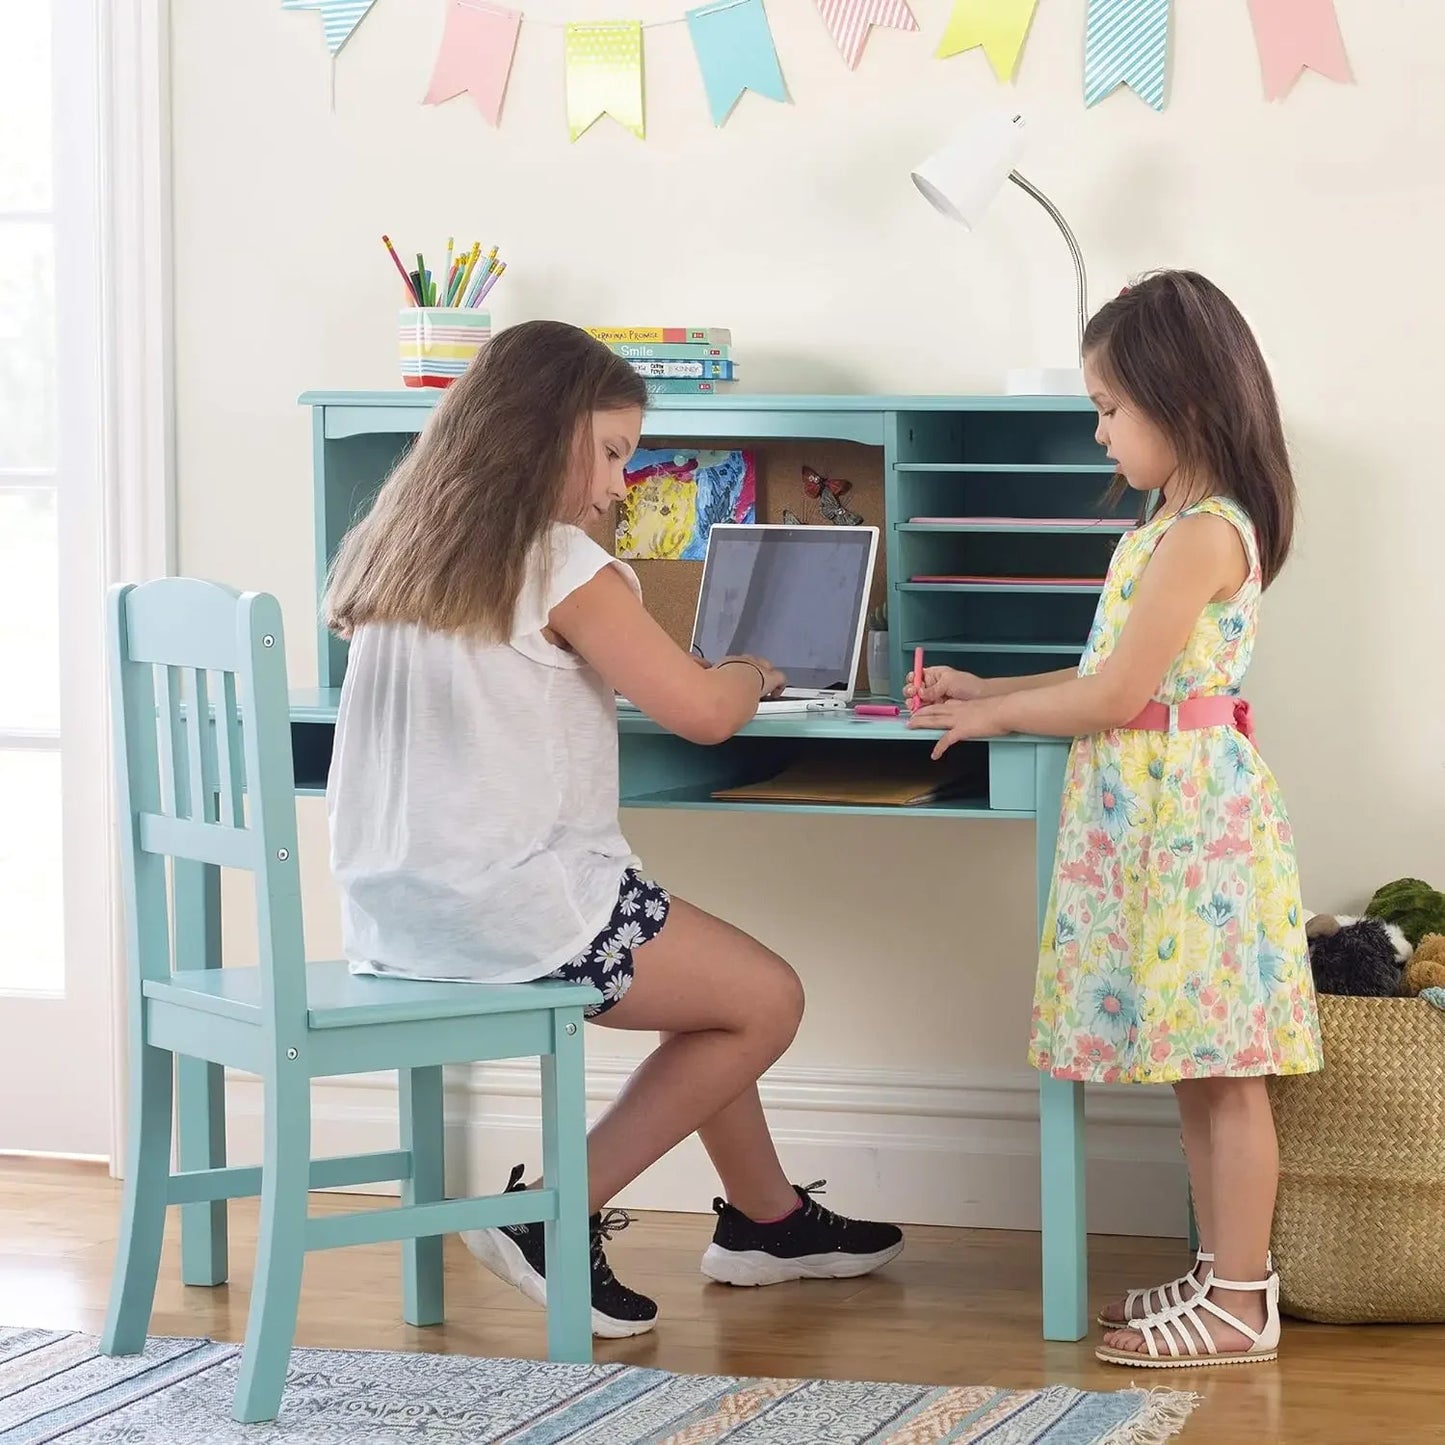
669	589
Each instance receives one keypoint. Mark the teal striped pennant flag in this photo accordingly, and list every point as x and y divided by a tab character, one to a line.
338	17
1126	42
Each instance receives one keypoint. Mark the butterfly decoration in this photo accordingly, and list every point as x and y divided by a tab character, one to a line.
828	492
815	484
835	512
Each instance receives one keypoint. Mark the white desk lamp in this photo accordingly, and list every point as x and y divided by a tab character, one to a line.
960	180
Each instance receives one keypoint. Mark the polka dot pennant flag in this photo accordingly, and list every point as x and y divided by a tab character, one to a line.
604	75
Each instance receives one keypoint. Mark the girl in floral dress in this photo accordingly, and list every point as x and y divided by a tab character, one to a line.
1174	948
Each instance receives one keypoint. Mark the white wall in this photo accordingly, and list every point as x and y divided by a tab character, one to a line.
797	226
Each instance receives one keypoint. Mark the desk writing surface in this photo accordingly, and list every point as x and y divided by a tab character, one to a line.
660	770
320	705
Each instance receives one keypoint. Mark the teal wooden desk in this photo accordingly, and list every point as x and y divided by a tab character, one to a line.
1019	481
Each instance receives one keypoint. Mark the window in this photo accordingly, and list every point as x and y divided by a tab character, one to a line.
32	914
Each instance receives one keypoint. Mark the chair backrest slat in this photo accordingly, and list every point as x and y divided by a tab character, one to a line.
205	780
200	745
175	781
232	762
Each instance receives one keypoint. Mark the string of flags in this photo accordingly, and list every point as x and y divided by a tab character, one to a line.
1126	44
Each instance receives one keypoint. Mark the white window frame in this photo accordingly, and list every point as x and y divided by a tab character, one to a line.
138	423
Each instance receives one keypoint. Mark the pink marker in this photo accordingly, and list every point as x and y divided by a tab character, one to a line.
915	701
876	709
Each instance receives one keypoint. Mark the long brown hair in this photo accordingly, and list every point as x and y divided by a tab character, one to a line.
1176	348
448	541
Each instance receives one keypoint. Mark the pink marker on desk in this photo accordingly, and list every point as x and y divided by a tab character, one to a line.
876	709
915	701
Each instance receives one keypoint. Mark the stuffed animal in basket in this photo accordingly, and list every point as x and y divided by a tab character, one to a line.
1427	968
1357	957
1414	907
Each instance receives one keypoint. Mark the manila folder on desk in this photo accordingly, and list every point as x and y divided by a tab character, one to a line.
868	775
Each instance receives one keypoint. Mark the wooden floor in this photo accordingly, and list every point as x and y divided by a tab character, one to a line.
959	1307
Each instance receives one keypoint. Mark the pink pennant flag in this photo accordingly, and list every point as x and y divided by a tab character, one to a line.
1293	35
849	21
476	55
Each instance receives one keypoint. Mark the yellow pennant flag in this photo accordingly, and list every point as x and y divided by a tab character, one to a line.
1000	26
604	75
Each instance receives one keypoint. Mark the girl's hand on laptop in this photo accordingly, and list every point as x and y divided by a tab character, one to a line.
773	681
942	684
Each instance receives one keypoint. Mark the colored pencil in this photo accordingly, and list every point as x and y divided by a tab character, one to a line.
490	282
396	261
449	273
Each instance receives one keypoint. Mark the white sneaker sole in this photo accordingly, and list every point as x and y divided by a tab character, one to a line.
757	1267
500	1254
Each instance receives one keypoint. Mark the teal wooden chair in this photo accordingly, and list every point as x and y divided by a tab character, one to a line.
204	778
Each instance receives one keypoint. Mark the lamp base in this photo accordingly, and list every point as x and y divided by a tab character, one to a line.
1045	381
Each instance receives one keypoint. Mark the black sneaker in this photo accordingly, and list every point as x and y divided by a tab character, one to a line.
811	1243
517	1253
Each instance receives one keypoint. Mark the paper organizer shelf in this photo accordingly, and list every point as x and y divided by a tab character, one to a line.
437	343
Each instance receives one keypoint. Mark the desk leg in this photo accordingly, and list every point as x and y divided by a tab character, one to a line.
1061	1111
200	1086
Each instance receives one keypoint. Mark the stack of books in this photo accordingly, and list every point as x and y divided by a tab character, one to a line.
675	360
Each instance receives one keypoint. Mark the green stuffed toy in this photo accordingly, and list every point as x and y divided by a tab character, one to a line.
1415	908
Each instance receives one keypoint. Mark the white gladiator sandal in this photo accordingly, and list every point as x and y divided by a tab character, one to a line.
1160	1297
1179	1337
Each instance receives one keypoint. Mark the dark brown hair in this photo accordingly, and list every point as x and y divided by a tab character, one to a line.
448	541
1175	348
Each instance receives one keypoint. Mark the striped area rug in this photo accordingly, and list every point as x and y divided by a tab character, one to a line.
57	1387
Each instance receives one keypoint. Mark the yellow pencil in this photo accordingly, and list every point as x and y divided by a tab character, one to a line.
447	274
468	264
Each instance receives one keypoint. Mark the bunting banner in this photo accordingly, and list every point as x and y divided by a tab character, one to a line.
1000	27
735	52
475	57
849	22
1294	36
338	17
1126	42
604	75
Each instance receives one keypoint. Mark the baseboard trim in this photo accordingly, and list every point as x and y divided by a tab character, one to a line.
920	1148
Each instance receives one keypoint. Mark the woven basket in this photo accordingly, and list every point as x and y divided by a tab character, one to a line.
1359	1230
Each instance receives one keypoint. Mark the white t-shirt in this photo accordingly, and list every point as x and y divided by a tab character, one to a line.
473	793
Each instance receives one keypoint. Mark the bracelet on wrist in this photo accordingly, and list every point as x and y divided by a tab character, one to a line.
743	662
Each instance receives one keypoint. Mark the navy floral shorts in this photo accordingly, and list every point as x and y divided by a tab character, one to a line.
606	963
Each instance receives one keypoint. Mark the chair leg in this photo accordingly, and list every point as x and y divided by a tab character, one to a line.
564	1168
280	1250
201	1144
423	1132
200	1086
143	1218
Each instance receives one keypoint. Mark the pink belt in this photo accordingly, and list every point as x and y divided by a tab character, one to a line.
1195	713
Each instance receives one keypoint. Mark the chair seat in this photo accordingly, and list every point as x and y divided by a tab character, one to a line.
339	999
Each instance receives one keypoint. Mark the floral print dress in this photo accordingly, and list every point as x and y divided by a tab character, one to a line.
1174	944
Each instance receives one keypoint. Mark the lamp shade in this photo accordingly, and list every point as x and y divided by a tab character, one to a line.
961	179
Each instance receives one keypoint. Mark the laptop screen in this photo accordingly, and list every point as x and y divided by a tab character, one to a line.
792	595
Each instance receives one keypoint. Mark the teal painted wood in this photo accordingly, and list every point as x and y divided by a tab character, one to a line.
180	777
1005	589
423	1136
965	644
965	456
1061	1111
564	1170
201	1084
334	1172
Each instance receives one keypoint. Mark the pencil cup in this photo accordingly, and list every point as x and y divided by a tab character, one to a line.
437	343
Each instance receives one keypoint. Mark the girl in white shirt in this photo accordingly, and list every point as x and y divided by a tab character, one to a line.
473	795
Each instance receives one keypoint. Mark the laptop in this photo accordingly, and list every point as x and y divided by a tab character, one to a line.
797	596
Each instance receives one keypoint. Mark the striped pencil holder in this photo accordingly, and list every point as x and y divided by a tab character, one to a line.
437	343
